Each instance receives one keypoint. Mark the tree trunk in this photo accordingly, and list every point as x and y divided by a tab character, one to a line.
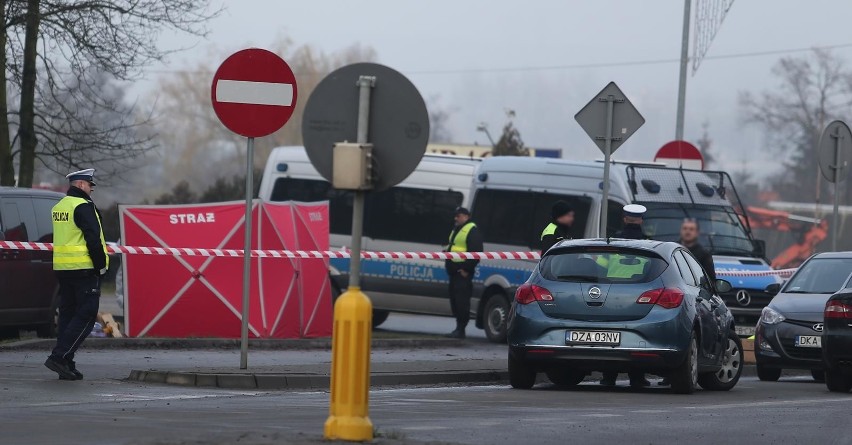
7	169
26	131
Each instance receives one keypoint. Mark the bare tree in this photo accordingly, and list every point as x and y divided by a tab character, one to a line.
54	46
439	116
813	90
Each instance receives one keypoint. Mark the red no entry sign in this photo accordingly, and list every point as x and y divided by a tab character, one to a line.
254	92
680	154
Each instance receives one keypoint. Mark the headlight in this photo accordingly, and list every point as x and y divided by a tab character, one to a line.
771	316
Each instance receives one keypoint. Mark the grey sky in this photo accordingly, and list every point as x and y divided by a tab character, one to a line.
480	40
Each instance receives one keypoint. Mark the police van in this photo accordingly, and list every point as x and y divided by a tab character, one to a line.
514	195
416	215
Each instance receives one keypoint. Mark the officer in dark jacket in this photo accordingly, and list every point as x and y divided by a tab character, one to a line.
689	232
80	260
464	237
562	219
632	229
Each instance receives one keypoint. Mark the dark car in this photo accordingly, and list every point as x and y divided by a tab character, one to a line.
28	287
622	305
789	333
837	341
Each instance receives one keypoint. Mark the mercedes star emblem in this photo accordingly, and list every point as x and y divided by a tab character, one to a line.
819	327
743	298
595	292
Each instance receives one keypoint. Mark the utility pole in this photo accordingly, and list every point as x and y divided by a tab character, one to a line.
684	63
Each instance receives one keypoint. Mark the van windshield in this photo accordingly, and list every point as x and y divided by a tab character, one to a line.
722	231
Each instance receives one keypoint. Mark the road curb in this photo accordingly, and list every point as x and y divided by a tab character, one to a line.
230	344
269	381
309	381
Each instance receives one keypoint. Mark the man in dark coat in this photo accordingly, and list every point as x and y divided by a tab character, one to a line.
465	237
689	233
562	220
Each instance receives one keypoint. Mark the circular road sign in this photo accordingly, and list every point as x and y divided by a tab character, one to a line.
399	122
680	154
254	92
835	133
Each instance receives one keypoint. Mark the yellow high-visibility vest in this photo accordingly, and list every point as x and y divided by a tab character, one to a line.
459	243
69	246
549	230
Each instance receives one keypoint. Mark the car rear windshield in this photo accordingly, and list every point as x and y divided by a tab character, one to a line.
821	276
602	265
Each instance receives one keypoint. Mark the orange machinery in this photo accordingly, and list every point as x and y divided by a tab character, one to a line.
812	232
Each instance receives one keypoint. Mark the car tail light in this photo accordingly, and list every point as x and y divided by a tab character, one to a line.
528	293
836	309
668	298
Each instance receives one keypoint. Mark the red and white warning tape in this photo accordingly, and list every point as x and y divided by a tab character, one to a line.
186	251
783	273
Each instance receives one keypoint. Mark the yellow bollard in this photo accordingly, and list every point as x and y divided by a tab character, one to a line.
350	368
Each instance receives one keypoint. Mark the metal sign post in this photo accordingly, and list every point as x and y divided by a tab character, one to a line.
834	152
391	130
610	104
253	94
247	254
609	126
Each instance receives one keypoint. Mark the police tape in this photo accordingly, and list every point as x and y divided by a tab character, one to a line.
300	254
320	254
783	273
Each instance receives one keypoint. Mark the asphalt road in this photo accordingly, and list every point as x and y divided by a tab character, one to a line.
36	408
426	324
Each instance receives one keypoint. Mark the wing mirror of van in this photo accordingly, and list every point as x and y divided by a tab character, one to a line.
759	246
723	286
773	289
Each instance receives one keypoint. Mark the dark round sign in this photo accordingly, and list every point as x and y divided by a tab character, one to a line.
398	129
254	92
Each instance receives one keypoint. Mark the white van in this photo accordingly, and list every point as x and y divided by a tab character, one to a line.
512	198
416	215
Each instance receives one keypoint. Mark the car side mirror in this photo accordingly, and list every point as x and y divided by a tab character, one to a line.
723	286
773	289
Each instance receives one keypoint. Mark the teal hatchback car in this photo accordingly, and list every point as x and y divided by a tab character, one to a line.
623	305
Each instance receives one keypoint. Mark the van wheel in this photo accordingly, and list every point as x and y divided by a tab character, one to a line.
684	378
379	317
521	375
732	367
496	315
768	374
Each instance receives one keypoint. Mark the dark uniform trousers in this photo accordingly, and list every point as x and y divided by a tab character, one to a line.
461	291
79	297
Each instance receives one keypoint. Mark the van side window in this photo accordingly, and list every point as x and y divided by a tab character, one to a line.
18	220
44	223
412	214
517	218
312	190
398	214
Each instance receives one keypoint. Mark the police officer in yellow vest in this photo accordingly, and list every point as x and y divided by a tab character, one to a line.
562	219
465	237
80	260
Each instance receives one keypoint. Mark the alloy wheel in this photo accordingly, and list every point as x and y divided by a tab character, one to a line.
730	363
